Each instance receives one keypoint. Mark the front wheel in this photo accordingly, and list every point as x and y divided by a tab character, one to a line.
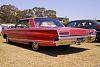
35	46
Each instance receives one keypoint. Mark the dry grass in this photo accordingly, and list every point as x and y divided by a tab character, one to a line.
19	55
1	40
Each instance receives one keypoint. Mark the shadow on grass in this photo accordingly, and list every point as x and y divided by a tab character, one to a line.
98	45
53	51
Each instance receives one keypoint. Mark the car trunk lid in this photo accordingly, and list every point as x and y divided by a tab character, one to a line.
73	31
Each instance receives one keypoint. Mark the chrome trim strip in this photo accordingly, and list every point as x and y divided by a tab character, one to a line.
64	37
27	40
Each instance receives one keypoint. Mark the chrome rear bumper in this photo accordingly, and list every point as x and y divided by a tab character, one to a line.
90	39
68	40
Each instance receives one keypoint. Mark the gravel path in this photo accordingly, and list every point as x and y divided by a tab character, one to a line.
19	55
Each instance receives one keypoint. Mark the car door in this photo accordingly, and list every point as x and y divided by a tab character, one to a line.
21	30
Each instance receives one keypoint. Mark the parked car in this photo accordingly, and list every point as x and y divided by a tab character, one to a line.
46	32
87	24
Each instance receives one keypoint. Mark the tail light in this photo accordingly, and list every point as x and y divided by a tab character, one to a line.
92	33
64	34
98	26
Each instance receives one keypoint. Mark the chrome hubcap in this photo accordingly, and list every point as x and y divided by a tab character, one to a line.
35	46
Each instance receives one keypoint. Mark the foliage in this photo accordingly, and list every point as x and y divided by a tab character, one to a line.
9	13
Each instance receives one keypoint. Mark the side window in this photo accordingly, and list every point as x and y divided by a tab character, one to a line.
83	23
87	24
79	25
71	24
22	24
91	24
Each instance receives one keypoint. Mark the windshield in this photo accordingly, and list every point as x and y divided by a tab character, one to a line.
47	22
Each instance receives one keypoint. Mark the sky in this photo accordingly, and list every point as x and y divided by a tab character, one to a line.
73	9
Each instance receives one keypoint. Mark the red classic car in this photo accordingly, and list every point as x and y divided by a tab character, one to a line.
46	32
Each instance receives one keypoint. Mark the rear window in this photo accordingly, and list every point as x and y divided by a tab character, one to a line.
47	22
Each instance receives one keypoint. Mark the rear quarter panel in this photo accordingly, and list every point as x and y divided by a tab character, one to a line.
40	35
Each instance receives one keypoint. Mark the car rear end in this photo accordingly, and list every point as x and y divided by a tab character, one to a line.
68	36
89	35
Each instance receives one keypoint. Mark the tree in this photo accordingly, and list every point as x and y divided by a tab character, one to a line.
8	13
50	14
39	12
27	13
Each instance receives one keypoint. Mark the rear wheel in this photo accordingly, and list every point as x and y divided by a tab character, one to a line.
35	46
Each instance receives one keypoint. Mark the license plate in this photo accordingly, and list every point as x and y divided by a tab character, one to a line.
79	40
